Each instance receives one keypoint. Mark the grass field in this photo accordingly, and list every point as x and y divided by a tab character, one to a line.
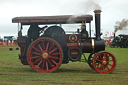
12	72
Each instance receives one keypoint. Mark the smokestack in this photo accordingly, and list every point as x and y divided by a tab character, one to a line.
114	35
97	24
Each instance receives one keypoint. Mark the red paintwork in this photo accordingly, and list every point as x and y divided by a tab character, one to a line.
100	66
41	64
72	44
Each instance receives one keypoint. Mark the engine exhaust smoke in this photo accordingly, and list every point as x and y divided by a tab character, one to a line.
121	25
85	7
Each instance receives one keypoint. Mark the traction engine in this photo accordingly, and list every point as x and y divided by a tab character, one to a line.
119	41
46	48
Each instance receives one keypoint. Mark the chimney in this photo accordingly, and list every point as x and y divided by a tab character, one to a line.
114	35
97	24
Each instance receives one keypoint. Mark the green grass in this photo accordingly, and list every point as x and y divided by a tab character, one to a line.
12	72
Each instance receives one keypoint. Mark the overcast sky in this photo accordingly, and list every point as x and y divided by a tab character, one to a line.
112	11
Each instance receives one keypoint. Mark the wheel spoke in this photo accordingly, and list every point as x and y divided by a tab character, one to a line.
50	63
99	60
90	60
101	67
104	58
43	63
104	54
47	66
55	53
53	57
36	49
97	64
53	50
109	60
35	57
53	61
36	53
39	63
101	57
37	60
107	67
110	64
40	48
47	47
51	47
43	45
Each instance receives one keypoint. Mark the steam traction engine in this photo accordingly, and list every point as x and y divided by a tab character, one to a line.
120	41
45	52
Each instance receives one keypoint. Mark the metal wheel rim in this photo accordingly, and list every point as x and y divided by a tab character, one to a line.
108	66
51	62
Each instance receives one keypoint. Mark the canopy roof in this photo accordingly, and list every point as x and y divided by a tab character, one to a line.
63	19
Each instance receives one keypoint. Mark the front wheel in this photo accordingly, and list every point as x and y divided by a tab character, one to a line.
104	62
126	43
45	55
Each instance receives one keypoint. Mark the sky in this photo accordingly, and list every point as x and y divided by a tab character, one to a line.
112	11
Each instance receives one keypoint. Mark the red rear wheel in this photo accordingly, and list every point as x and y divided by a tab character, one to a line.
104	62
45	55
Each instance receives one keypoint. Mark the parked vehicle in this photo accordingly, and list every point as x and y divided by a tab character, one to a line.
120	41
45	49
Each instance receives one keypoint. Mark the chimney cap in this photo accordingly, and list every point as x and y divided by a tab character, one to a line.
97	11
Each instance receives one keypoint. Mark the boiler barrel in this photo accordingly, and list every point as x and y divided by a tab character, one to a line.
92	45
99	45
